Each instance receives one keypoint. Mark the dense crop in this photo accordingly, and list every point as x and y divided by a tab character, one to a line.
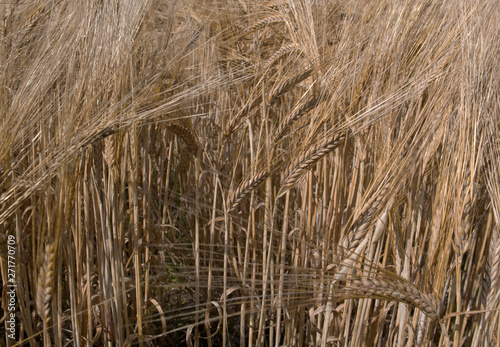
271	173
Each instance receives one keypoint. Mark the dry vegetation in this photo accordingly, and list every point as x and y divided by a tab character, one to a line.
286	173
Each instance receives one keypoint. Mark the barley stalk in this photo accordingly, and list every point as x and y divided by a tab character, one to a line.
34	18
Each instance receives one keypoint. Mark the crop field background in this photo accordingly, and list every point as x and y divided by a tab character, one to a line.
241	173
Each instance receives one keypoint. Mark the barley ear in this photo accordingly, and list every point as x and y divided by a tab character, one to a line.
288	84
246	188
353	237
264	22
493	270
45	285
397	291
303	108
279	53
109	151
186	134
300	166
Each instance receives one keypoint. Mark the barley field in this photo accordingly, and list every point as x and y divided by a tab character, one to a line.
241	173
